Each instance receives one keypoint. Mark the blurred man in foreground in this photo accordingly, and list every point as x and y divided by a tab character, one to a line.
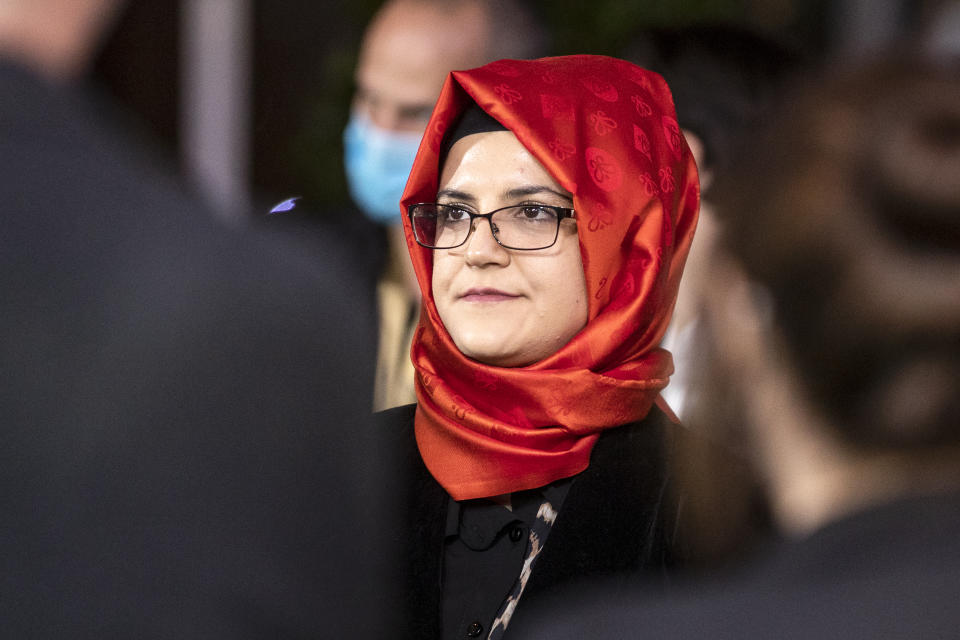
837	324
183	449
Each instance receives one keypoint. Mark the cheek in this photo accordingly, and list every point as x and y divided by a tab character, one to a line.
574	278
567	287
578	312
577	284
443	268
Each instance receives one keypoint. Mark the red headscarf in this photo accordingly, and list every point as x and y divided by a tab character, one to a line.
607	132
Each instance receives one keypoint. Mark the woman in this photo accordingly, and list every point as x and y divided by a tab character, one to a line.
550	209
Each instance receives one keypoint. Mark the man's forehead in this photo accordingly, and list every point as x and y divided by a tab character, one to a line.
418	42
406	86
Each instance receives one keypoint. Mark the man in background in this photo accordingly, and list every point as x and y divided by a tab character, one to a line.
183	448
407	51
724	80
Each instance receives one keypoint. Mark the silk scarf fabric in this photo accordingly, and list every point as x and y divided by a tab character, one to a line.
607	131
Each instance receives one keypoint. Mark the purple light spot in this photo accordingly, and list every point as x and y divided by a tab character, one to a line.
286	205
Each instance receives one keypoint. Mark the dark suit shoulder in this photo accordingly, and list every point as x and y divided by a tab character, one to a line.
619	513
395	427
423	505
396	416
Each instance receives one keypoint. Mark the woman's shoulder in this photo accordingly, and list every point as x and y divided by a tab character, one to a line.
393	429
393	416
652	435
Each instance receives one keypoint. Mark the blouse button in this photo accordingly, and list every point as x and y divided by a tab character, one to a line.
474	630
516	533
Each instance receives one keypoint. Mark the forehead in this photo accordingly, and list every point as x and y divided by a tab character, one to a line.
492	162
411	46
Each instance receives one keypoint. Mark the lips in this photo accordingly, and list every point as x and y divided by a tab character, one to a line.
486	294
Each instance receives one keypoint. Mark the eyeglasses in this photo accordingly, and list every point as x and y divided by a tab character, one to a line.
525	227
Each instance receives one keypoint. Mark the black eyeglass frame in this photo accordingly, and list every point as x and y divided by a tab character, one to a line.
562	214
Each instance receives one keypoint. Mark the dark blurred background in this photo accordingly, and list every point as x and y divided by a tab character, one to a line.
263	120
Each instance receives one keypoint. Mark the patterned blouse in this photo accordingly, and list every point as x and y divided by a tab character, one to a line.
489	556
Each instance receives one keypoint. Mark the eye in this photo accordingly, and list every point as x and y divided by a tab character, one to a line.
415	115
453	213
536	212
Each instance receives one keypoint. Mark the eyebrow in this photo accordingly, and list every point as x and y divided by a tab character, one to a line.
533	190
512	194
453	194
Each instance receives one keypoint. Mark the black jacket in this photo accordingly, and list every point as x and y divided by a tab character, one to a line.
892	571
617	518
183	405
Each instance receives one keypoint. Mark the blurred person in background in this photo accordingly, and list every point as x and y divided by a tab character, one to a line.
836	320
723	79
170	386
406	52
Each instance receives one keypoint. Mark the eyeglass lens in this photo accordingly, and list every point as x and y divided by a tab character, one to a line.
519	227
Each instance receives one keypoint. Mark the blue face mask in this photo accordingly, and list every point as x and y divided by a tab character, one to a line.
378	163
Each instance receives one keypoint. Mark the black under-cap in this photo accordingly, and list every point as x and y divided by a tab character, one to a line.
473	120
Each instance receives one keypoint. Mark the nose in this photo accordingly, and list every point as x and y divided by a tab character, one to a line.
482	248
384	117
380	112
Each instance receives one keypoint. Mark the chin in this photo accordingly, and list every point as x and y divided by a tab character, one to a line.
491	358
490	352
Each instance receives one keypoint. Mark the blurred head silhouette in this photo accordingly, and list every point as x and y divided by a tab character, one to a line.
837	317
55	37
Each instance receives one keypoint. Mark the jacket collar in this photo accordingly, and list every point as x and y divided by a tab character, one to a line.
616	517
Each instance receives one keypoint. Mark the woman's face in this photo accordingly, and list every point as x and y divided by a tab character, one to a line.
504	307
